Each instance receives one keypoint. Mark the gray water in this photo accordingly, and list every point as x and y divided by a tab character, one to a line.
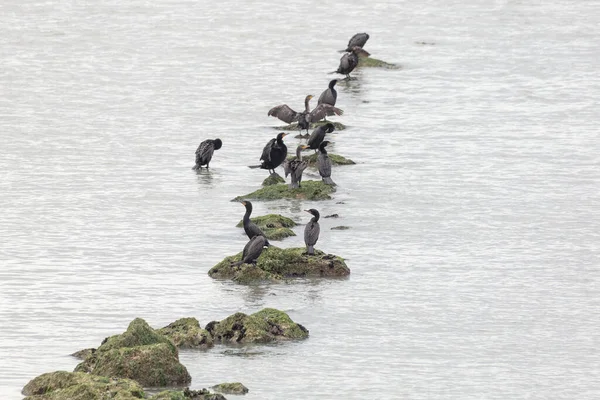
474	242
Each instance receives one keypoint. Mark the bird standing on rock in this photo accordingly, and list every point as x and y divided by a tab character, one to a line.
324	164
250	227
253	250
360	39
205	152
349	61
306	117
295	167
311	232
318	135
274	153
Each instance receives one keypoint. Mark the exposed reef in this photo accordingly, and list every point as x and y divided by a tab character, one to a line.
310	190
186	333
370	62
230	388
273	179
335	159
274	226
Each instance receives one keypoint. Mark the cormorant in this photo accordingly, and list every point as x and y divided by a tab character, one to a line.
311	232
205	152
329	96
349	61
295	167
253	250
357	40
250	227
274	153
324	164
318	135
304	118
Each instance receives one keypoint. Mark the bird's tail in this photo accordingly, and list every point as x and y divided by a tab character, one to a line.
343	51
196	167
333	72
310	249
328	181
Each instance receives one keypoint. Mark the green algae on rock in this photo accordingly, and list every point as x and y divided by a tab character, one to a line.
187	394
294	127
273	179
335	160
140	353
187	333
83	354
310	190
375	63
63	385
274	226
265	326
230	388
275	264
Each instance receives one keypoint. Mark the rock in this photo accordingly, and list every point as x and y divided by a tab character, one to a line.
274	226
274	264
140	353
187	394
294	127
63	385
373	62
332	216
231	388
273	179
186	333
265	326
335	159
340	228
310	190
83	354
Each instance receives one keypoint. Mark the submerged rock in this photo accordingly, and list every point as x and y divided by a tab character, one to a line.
274	226
273	179
140	353
186	333
294	127
264	326
231	388
63	385
310	190
275	264
340	228
373	62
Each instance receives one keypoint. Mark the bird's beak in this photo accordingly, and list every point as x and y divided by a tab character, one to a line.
308	211
243	203
304	147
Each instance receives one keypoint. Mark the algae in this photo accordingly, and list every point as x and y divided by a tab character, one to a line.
335	159
274	226
63	385
231	388
83	354
187	394
375	63
310	190
138	333
187	333
273	179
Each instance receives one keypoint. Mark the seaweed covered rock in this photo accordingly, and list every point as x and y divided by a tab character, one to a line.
335	159
294	127
187	394
63	385
375	63
310	190
273	179
275	264
230	388
274	226
83	354
187	333
140	353
265	326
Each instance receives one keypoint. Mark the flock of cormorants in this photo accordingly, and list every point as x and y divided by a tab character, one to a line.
275	151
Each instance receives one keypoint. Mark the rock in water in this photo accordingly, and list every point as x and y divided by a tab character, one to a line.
186	333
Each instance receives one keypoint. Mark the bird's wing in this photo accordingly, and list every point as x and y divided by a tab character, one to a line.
206	149
344	62
324	165
311	233
299	168
358	40
284	113
287	167
323	97
266	154
323	110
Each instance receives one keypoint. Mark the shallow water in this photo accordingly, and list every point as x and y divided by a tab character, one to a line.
474	243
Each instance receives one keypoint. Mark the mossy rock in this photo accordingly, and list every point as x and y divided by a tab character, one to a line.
274	226
275	264
310	190
139	353
371	62
230	388
186	333
294	127
265	326
187	394
335	159
83	354
273	179
63	385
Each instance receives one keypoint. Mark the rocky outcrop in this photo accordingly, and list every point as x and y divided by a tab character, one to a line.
230	388
274	226
310	190
186	333
187	394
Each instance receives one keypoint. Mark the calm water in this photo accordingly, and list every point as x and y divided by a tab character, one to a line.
474	241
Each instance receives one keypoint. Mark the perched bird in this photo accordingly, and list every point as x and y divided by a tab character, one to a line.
205	152
324	164
318	135
253	250
349	61
306	117
274	153
295	167
357	40
311	232
250	227
329	96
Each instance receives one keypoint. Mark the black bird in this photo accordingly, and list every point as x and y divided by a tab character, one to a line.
349	61
318	135
329	96
253	250
306	117
250	227
357	40
295	167
324	164
205	152
311	232
274	153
